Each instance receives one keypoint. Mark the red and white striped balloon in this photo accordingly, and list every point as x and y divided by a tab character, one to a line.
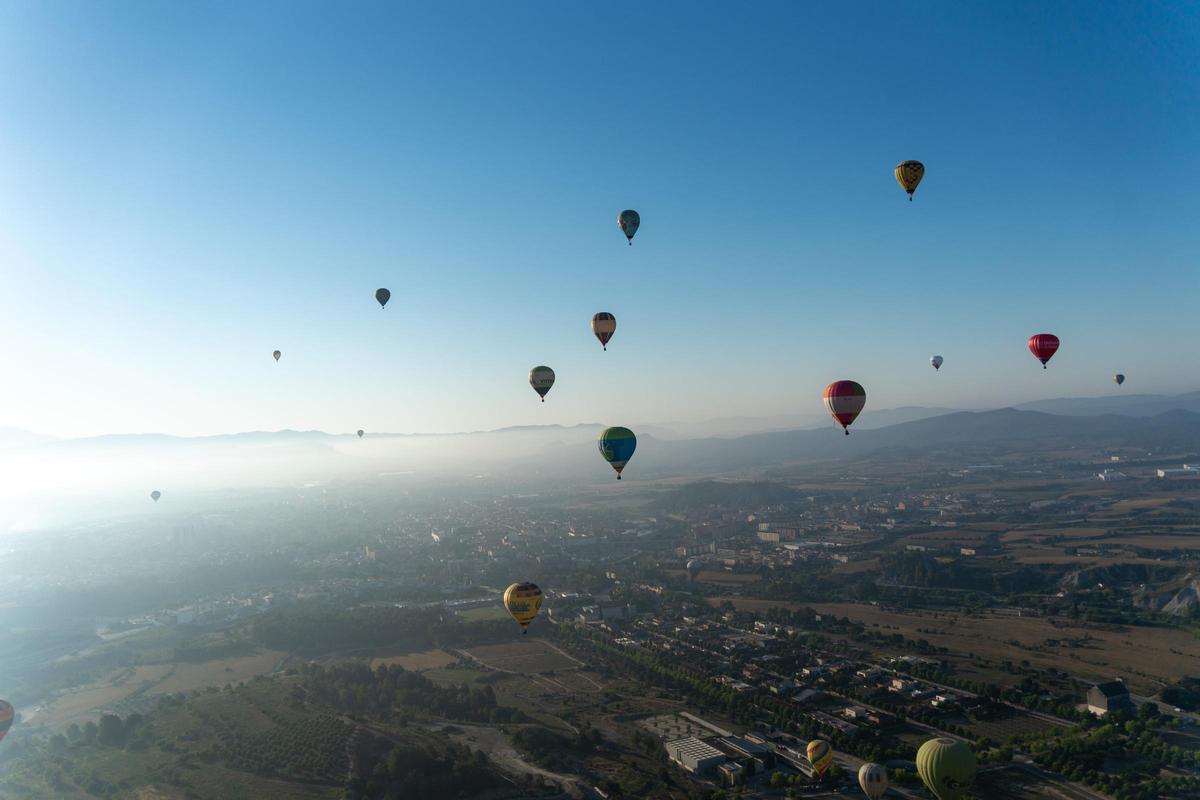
844	400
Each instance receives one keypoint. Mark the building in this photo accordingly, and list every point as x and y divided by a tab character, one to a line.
731	773
1107	697
754	757
1188	471
694	755
605	613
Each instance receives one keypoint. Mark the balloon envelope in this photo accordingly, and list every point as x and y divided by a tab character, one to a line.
947	766
541	379
6	717
1119	379
360	433
820	754
908	175
617	446
844	400
628	221
873	778
383	295
155	495
276	355
937	362
522	601
1043	346
604	325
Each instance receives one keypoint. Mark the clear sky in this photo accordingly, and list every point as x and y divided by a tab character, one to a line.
185	187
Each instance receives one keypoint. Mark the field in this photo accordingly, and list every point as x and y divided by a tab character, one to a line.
483	614
1143	656
525	657
187	677
416	662
110	692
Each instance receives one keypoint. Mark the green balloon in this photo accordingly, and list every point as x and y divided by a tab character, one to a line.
947	766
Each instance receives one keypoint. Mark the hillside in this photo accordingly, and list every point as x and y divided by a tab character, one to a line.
272	738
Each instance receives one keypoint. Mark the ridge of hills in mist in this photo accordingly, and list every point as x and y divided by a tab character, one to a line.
118	471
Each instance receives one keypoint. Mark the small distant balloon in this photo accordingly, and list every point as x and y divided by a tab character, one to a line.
908	175
820	755
936	361
383	295
522	600
628	221
604	325
1043	346
541	379
276	355
617	446
155	495
873	778
1118	379
360	433
845	400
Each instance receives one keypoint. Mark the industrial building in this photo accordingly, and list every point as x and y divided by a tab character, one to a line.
694	755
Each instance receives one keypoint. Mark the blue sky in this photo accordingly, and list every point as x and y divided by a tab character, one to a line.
186	187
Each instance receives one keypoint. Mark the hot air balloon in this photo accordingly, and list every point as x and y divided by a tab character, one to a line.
383	295
873	778
360	433
937	362
155	495
820	754
1043	346
604	325
693	569
1118	379
908	175
844	400
541	379
276	355
947	766
628	221
6	717
523	601
617	446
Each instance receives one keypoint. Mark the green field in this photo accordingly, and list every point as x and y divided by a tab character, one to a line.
483	614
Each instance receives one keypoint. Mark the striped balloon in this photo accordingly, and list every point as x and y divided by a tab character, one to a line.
604	325
541	379
844	400
522	601
820	755
617	446
908	175
1043	346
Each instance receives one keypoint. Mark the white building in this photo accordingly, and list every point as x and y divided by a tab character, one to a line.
694	755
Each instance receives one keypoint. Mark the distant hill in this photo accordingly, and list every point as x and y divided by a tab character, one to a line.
15	437
1126	405
989	432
